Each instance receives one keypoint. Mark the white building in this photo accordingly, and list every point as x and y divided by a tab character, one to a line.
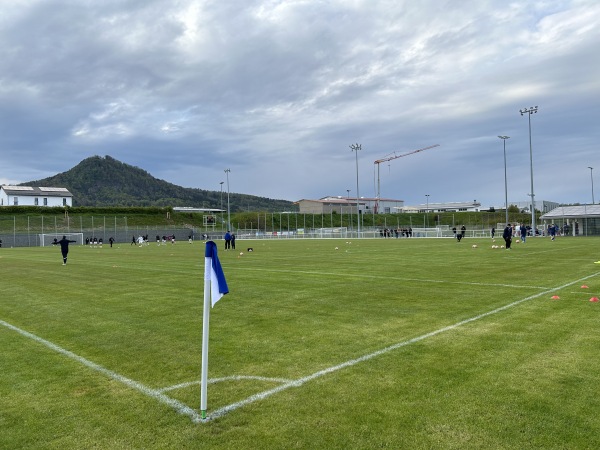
366	205
35	196
443	207
543	206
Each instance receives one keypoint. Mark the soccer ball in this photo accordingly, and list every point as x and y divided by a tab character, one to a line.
241	253
336	248
474	246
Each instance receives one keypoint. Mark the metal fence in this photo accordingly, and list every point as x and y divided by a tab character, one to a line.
24	231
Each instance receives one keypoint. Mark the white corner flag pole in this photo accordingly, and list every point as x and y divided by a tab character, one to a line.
205	320
215	286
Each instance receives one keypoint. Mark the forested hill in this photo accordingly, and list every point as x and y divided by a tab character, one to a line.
105	181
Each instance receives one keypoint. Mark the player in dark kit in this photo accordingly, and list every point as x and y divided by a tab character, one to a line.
507	235
64	248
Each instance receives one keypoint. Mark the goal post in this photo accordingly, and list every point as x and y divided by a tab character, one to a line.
47	239
332	232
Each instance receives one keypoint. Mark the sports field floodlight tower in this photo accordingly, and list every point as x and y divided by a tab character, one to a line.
529	112
390	157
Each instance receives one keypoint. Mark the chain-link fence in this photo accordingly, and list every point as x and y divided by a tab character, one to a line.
25	231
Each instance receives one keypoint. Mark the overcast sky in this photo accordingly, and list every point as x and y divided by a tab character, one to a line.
277	91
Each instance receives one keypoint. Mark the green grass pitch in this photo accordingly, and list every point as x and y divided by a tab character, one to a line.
384	343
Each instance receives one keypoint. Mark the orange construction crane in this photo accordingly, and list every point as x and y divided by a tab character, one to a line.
390	157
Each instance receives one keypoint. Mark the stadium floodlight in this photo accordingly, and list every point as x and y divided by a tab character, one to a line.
529	111
504	138
355	148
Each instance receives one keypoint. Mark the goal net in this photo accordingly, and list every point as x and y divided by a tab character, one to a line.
334	232
47	239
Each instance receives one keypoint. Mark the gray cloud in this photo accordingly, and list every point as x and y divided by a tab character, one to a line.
277	91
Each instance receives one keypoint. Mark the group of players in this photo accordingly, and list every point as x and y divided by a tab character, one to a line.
95	241
142	240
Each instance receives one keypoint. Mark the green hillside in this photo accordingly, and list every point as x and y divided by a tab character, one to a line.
105	181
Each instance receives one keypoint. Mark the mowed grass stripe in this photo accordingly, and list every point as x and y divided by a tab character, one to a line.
153	393
346	364
143	320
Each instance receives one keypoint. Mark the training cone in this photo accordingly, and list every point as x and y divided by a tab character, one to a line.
584	287
555	297
594	299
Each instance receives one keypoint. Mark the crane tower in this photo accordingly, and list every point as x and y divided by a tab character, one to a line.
390	157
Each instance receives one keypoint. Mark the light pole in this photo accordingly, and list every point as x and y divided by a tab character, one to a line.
348	201
427	209
228	211
529	111
592	178
221	183
504	138
355	148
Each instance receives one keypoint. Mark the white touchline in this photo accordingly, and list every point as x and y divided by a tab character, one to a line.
299	382
195	416
157	395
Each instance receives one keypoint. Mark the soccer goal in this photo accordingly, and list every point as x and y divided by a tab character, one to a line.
336	232
47	239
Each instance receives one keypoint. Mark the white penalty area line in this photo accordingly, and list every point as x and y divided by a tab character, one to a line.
299	382
419	280
153	393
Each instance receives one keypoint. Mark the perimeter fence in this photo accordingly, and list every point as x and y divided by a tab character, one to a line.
25	231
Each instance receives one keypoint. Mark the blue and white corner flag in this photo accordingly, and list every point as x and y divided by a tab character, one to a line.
213	273
215	287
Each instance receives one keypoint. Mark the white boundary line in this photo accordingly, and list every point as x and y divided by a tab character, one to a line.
194	415
420	280
299	382
155	394
230	378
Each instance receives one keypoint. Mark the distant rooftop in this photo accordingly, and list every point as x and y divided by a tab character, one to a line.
34	190
573	211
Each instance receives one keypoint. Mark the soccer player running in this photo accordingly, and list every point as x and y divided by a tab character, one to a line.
64	248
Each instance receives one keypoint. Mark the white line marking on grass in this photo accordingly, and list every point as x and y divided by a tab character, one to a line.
155	394
537	252
383	277
230	378
299	382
